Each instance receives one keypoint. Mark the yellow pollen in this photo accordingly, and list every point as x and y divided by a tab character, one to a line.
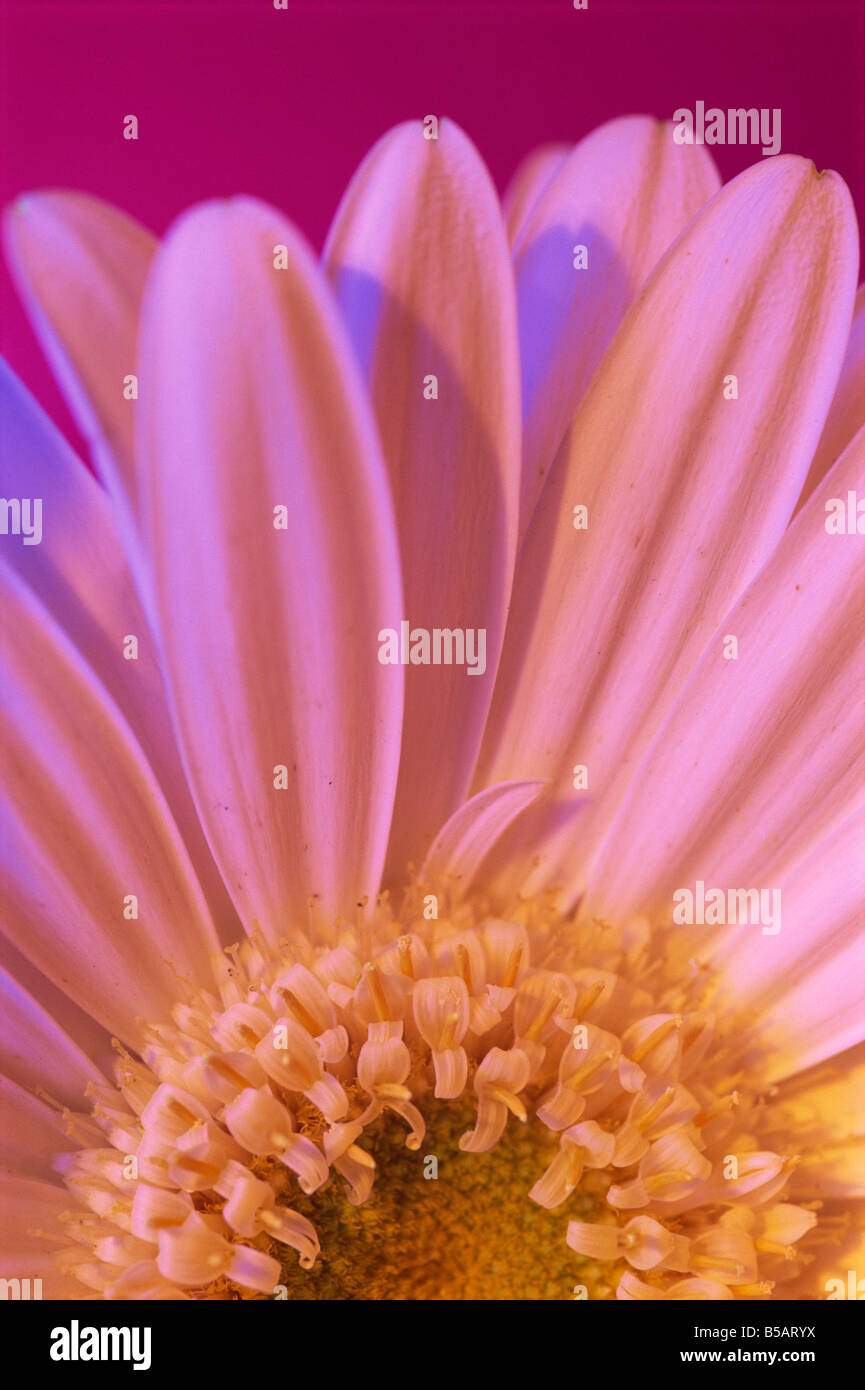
512	969
657	1035
196	1166
233	952
588	998
544	1014
225	1070
464	966
719	1262
513	1102
657	1181
377	992
774	1247
449	1032
588	1069
303	1016
656	1108
725	1103
405	961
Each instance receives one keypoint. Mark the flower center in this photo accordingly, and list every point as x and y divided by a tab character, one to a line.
444	1225
454	1106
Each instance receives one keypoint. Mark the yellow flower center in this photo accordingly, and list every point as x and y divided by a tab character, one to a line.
442	1104
460	1227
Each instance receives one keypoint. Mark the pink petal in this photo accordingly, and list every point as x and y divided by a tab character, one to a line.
471	832
385	1063
194	1254
270	634
825	1109
498	1081
847	411
787	1224
761	1175
290	1228
632	1289
698	1291
32	1134
608	622
624	194
80	266
593	1241
154	1209
558	1181
724	1254
79	573
419	262
36	1052
762	757
806	982
83	1032
530	180
28	1206
85	829
358	1169
441	1010
653	1243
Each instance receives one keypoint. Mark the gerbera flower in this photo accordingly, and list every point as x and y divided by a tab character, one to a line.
456	1045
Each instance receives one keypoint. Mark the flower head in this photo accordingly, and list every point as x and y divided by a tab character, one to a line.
381	933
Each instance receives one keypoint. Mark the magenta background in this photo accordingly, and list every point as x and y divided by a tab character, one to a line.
233	96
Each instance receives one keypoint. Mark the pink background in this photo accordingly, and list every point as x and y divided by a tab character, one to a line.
233	96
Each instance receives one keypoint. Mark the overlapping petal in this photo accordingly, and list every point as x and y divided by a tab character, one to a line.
273	511
608	621
31	1133
30	1209
805	982
847	412
271	534
469	835
83	1033
77	571
621	197
80	265
530	179
97	887
420	267
36	1052
825	1108
763	756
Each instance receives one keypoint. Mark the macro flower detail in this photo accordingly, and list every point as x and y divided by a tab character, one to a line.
327	978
